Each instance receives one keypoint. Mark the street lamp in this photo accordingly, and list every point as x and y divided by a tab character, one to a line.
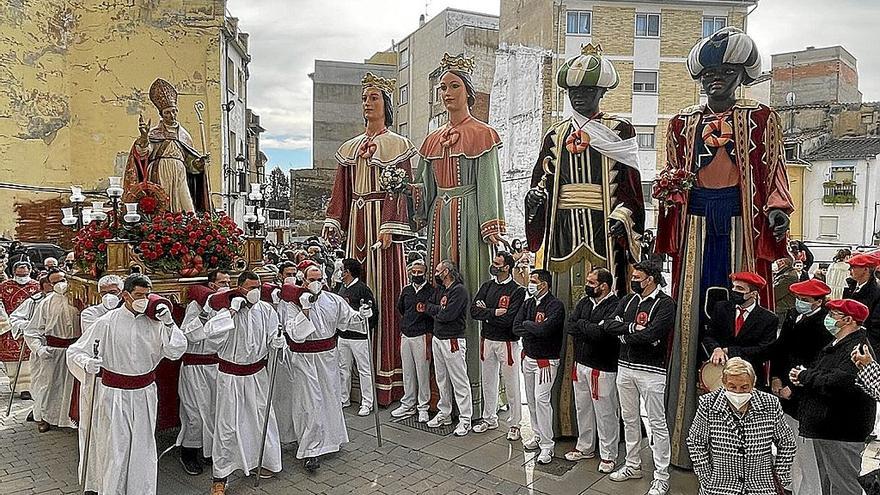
77	216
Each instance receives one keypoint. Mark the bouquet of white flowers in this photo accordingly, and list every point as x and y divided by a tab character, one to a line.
393	179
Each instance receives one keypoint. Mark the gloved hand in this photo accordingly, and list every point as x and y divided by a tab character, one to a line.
93	365
366	312
278	342
43	352
236	304
164	315
305	300
276	296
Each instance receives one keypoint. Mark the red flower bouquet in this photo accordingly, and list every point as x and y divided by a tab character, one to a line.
90	247
150	197
185	243
670	186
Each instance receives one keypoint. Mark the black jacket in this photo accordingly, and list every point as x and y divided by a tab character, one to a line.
449	310
415	323
832	406
645	349
354	296
869	295
754	340
509	295
799	343
592	346
541	327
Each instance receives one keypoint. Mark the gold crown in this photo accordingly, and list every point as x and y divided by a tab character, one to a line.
163	94
371	80
459	63
591	49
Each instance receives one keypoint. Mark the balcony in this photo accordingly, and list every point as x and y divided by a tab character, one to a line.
839	193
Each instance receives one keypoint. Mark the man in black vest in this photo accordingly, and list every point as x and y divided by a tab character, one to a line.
415	343
742	328
864	288
353	345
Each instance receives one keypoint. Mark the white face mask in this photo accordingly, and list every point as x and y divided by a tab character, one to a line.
140	306
738	400
110	301
22	280
315	287
60	288
290	281
253	296
532	289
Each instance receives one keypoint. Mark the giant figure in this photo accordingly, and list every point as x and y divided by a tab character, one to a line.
585	208
457	193
374	220
732	215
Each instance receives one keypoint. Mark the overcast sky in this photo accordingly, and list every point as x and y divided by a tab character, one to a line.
286	36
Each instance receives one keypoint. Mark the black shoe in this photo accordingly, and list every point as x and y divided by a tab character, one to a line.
207	461
30	417
190	461
90	493
25	395
311	464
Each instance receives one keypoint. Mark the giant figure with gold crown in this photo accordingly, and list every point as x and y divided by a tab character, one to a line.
457	193
724	206
164	155
585	209
369	208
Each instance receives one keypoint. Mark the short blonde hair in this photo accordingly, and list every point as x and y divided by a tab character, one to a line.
738	366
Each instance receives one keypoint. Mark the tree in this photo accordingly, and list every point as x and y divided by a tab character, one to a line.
278	192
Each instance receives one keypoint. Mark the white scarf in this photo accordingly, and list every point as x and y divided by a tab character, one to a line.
607	142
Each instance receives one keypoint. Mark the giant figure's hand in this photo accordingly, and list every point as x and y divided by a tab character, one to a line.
384	241
143	129
331	234
779	223
535	199
616	229
493	239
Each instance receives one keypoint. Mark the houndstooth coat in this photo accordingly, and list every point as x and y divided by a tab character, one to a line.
732	453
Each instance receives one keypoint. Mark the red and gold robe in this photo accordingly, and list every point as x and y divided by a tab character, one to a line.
12	295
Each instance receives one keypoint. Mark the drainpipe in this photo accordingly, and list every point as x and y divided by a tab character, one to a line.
866	240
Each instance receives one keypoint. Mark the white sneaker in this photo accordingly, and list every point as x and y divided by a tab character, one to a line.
577	455
402	411
365	411
659	487
606	467
531	444
439	420
545	456
484	426
513	434
463	428
626	473
423	417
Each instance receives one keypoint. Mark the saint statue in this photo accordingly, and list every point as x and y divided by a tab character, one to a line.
457	193
724	206
585	208
164	155
371	215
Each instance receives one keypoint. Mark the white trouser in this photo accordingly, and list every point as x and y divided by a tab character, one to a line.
450	367
598	410
539	384
504	355
649	387
359	351
416	360
804	470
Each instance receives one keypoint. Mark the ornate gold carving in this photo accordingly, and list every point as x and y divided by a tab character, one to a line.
384	85
459	63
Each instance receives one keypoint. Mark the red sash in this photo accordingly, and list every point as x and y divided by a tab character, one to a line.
428	349
59	342
241	369
126	382
312	346
199	359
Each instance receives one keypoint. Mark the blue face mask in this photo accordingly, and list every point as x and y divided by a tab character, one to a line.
831	325
802	307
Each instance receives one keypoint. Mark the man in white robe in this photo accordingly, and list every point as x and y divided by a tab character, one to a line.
318	409
130	347
19	320
54	327
284	400
243	334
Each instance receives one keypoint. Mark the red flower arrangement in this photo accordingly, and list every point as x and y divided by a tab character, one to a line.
185	243
670	186
150	197
90	247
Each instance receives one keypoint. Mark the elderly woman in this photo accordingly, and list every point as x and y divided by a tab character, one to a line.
733	434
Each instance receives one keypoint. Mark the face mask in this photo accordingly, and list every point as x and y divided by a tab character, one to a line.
417	279
438	279
831	325
22	280
290	280
802	307
253	296
589	291
110	301
315	287
738	400
139	306
737	298
494	270
60	288
532	289
636	287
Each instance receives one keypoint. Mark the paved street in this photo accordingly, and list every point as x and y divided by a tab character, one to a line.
409	461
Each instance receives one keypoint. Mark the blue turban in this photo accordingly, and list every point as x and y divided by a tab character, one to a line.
727	46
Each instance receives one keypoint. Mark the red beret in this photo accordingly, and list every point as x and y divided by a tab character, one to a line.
854	309
155	301
864	260
266	292
810	288
199	294
750	278
305	264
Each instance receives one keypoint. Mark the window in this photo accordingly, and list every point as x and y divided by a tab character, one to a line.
842	175
404	95
644	82
648	25
402	129
437	97
828	227
791	152
645	139
578	22
867	118
230	75
241	84
712	25
404	57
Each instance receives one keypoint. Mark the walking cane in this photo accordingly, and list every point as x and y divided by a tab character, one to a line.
85	469
17	374
272	374
366	325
